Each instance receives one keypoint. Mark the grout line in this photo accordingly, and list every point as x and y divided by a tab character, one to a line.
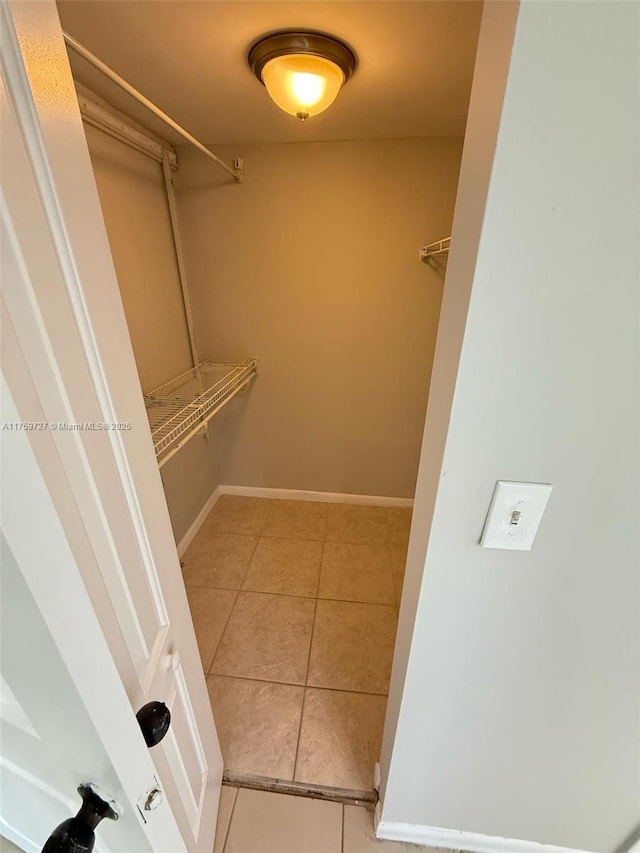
296	684
231	816
290	595
306	675
342	832
313	626
295	760
253	553
228	619
233	606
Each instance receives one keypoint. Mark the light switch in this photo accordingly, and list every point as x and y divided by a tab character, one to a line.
514	515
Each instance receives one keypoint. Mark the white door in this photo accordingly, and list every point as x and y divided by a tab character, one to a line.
67	360
64	716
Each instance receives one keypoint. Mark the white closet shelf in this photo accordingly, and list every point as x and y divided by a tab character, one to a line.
440	247
178	409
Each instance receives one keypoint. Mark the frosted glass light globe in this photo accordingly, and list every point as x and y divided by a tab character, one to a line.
302	85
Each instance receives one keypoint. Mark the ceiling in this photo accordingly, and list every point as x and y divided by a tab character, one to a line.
415	64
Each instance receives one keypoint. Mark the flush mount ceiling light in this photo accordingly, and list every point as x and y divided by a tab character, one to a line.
303	72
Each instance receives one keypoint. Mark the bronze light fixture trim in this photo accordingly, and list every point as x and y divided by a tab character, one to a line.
302	70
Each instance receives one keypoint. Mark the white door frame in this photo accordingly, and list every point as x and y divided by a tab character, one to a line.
74	363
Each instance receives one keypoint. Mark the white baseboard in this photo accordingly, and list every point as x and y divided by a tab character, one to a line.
284	494
327	497
451	839
190	535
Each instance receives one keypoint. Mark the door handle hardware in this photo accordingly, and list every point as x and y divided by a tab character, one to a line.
154	720
76	834
154	799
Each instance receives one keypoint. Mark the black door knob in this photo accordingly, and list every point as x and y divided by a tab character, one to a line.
154	720
76	834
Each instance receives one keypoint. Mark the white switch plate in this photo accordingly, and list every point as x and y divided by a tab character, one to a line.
514	515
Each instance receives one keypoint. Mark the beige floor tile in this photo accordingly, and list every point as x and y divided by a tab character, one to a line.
218	559
352	646
276	823
210	609
225	810
399	516
365	525
238	514
289	566
359	836
297	519
399	523
258	724
357	573
399	538
340	738
398	564
266	637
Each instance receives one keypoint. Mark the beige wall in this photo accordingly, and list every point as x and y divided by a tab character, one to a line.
134	205
191	476
514	699
311	265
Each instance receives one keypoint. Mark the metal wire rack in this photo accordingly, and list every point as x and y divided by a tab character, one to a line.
440	247
178	409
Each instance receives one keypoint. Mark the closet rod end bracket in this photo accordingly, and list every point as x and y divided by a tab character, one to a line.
238	168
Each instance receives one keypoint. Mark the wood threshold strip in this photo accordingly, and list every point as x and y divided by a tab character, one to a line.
347	796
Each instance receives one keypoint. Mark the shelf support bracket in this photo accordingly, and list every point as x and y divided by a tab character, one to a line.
440	247
182	270
177	243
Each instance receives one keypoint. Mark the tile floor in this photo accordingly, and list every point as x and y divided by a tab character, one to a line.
260	822
295	607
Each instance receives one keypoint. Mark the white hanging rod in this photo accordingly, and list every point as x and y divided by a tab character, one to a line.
440	247
236	171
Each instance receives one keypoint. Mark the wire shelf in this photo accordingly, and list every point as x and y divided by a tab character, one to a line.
179	408
440	247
